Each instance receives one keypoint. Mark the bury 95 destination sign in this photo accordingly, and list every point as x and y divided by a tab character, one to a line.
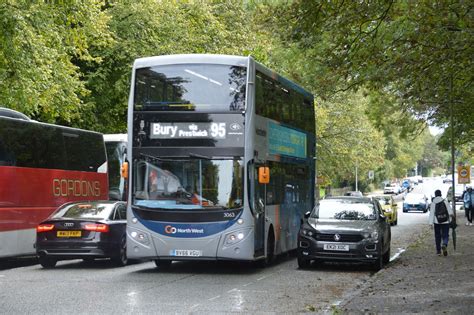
194	130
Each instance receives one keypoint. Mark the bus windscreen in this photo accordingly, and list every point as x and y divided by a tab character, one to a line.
190	87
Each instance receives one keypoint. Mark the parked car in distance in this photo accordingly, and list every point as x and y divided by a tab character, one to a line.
392	189
415	202
447	179
458	193
389	208
83	230
407	185
351	229
354	194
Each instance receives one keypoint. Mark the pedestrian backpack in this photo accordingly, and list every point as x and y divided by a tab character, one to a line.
441	212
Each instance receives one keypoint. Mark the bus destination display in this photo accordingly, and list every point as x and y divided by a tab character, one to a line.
195	130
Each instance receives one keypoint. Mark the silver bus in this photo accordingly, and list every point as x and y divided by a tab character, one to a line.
222	160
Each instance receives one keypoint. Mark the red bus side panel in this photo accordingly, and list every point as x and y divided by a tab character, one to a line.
30	195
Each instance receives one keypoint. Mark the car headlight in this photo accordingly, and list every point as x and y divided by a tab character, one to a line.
308	232
388	210
373	235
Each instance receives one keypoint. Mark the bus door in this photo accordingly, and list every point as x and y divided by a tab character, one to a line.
259	204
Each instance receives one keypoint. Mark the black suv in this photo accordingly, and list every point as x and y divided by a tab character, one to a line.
352	229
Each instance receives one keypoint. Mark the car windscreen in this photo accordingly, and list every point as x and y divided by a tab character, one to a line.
383	200
415	198
345	210
94	211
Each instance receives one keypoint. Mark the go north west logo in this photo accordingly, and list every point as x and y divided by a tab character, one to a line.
174	230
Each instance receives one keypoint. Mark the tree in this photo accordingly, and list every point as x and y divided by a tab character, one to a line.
149	28
419	52
40	43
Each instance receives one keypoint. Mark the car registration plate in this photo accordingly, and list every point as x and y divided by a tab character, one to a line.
338	247
68	233
186	252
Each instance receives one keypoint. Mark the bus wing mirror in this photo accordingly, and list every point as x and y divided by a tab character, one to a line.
264	175
124	170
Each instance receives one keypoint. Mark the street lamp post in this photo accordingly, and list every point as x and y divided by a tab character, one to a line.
357	188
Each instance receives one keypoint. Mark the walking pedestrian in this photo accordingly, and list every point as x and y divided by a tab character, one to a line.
440	217
468	200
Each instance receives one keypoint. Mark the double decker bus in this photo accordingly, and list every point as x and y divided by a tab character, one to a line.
41	167
221	152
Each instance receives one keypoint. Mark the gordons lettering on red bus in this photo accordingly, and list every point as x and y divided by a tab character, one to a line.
77	188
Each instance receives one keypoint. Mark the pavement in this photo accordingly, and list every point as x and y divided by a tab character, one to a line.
420	281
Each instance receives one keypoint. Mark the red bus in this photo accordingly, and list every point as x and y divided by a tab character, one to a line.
43	166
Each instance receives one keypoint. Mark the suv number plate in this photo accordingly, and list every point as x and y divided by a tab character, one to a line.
339	247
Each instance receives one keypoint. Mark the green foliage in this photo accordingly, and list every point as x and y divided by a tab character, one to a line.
418	52
39	44
149	28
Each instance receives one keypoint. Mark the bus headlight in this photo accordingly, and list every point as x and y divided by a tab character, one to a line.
140	237
235	237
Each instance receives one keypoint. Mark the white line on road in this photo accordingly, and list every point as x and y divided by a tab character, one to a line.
247	284
214	298
234	289
400	251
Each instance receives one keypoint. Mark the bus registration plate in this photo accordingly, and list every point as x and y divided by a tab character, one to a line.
338	247
186	252
68	233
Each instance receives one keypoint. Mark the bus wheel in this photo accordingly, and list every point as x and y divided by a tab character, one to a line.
121	258
47	262
163	264
267	261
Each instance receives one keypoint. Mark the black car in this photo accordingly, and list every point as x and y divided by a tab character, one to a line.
83	230
351	229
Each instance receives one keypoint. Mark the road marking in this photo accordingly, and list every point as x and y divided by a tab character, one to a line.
214	298
194	306
247	284
234	289
400	251
1	276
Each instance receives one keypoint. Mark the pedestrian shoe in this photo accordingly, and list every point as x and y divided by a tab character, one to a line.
467	223
445	250
470	223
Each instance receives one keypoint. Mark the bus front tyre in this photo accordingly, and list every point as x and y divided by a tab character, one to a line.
162	264
270	255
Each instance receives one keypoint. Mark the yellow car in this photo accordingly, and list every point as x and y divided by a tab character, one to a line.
389	207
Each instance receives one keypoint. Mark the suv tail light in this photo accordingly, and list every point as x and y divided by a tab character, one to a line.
44	227
96	227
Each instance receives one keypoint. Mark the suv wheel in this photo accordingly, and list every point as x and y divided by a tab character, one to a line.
386	256
303	263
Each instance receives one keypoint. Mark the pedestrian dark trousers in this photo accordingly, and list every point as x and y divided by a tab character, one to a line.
441	233
469	213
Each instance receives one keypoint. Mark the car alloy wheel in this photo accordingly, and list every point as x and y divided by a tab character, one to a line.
121	258
47	262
